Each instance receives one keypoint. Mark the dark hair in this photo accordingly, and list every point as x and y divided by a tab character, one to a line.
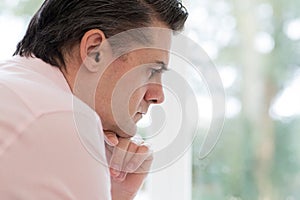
59	24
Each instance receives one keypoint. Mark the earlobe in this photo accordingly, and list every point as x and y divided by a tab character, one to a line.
90	49
92	61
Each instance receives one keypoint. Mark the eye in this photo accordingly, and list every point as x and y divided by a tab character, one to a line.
155	71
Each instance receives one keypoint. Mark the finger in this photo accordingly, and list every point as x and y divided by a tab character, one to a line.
118	156
137	178
136	142
132	150
146	165
137	139
139	174
111	138
108	152
121	177
143	152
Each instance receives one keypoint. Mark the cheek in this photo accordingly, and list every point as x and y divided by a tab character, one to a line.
136	100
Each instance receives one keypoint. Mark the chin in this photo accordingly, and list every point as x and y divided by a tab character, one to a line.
127	131
124	135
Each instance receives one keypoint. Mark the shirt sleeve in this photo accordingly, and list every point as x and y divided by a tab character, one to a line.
58	156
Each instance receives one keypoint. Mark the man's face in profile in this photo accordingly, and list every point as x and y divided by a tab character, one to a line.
130	85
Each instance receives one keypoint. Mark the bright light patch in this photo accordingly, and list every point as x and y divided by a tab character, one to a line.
292	29
287	103
197	18
264	43
233	107
205	109
211	48
194	35
10	35
228	76
145	121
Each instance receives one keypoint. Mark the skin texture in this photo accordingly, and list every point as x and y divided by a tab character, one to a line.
139	73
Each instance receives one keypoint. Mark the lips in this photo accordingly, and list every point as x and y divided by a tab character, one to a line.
143	111
140	113
138	116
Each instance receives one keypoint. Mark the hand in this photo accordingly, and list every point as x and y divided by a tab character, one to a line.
129	165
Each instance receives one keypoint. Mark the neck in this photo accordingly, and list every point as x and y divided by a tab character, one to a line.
73	64
69	77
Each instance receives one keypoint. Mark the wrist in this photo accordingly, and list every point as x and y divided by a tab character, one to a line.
122	195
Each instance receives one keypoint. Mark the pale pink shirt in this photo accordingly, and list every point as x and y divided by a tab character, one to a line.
51	143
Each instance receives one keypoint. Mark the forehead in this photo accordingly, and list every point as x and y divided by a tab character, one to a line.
156	36
143	45
159	47
149	55
161	36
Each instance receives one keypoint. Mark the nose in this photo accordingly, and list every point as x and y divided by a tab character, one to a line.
154	94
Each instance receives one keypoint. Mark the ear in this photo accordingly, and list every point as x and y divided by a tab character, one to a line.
90	49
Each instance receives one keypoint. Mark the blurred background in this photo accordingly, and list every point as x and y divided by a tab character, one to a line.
255	45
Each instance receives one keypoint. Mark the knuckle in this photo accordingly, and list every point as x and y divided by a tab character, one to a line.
133	146
150	157
144	149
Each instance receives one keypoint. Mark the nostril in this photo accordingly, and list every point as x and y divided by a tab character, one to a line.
154	101
154	94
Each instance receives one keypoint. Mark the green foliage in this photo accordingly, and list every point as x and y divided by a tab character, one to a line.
236	169
286	162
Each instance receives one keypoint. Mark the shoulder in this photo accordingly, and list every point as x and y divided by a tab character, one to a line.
38	88
50	133
34	94
38	85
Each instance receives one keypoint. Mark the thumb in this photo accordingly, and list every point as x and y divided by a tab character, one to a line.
111	138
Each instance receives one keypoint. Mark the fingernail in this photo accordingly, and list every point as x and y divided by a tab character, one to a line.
114	170
112	141
121	177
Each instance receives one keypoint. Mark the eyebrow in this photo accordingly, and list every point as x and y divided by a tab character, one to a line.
163	65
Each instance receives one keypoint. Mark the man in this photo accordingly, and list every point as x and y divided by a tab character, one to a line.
68	71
